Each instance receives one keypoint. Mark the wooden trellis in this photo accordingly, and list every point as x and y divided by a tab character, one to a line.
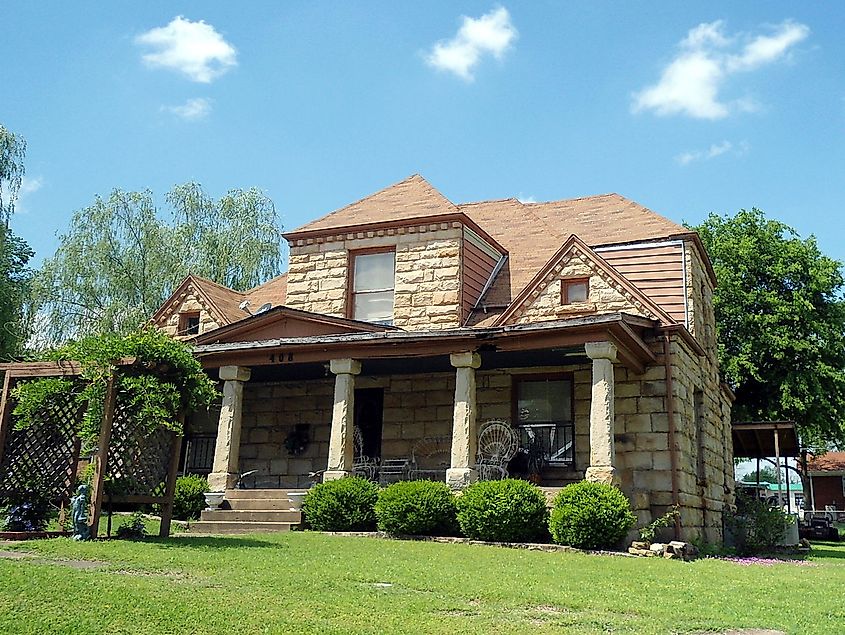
141	468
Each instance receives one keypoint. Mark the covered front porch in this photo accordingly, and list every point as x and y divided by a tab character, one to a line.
396	404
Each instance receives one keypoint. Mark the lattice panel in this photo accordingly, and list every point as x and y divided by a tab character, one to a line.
138	463
47	451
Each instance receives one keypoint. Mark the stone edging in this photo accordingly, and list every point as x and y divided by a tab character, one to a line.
530	546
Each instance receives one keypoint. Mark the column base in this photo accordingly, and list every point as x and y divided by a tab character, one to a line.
333	475
458	478
221	481
603	474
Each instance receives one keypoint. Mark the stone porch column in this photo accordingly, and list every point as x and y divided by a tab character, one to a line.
224	473
602	413
341	442
464	429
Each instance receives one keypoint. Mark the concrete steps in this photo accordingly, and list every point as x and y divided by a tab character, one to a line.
250	511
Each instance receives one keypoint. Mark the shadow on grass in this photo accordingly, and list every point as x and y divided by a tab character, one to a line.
828	550
216	542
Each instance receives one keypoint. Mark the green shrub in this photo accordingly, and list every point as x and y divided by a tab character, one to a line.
347	504
590	516
188	497
510	510
755	528
134	528
417	508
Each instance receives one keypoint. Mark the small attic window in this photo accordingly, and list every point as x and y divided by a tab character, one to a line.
574	290
189	323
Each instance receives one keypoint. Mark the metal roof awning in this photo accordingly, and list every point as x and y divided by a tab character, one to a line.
762	439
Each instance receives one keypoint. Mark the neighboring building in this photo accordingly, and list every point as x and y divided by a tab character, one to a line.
826	476
775	497
407	321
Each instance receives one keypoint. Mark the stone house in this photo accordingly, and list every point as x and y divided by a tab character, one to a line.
406	321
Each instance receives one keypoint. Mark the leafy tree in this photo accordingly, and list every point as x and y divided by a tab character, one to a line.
12	153
767	475
122	256
780	319
14	252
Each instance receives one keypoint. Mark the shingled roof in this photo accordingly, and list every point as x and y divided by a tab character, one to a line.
410	198
827	462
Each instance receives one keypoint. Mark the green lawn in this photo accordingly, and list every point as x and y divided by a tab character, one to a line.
304	582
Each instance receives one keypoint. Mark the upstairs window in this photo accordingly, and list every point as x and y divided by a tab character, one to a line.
189	323
372	286
574	290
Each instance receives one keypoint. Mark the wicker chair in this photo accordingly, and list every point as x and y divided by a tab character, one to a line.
497	445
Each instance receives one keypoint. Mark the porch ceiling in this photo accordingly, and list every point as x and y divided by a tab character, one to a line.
627	332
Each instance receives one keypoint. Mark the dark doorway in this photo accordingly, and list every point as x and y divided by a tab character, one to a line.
369	416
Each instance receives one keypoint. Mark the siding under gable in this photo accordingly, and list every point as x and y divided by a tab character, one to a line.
657	269
478	262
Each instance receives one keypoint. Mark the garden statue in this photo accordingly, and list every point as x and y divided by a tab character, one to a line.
79	511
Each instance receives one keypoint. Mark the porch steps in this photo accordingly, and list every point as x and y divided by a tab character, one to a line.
250	511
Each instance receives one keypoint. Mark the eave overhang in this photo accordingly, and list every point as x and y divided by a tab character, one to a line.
630	334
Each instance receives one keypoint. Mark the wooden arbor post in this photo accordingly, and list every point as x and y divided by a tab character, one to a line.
102	457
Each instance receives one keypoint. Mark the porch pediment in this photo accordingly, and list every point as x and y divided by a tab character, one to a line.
282	322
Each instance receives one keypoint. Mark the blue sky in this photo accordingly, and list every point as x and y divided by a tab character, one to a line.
686	108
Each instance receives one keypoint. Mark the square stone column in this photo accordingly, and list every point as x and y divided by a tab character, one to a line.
342	440
224	473
602	414
464	425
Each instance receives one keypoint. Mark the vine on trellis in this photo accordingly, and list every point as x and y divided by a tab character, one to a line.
161	382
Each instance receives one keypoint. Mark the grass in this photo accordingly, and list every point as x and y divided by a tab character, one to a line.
304	582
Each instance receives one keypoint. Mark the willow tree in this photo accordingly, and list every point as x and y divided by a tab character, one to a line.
123	256
12	152
14	252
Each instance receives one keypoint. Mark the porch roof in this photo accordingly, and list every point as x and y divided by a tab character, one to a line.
756	439
627	332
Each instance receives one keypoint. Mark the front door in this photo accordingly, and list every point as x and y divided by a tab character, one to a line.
369	414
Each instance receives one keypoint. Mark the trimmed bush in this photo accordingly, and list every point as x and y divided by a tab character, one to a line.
189	499
347	504
590	516
417	508
510	510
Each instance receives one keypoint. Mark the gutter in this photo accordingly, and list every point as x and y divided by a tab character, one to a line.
670	413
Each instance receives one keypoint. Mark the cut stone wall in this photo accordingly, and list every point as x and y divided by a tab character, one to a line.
188	303
606	296
427	282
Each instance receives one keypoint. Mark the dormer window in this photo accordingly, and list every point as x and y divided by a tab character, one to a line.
372	286
574	290
189	323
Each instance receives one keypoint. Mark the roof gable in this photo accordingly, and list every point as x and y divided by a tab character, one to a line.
575	248
219	301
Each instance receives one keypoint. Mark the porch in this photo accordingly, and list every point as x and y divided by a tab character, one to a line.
410	405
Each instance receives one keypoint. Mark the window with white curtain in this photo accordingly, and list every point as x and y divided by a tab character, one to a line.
372	287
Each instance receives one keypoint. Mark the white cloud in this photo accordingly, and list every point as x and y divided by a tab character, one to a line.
492	34
525	199
28	186
192	110
194	49
690	84
715	150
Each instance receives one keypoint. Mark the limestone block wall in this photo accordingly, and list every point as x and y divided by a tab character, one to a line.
271	410
699	289
605	296
427	281
704	441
